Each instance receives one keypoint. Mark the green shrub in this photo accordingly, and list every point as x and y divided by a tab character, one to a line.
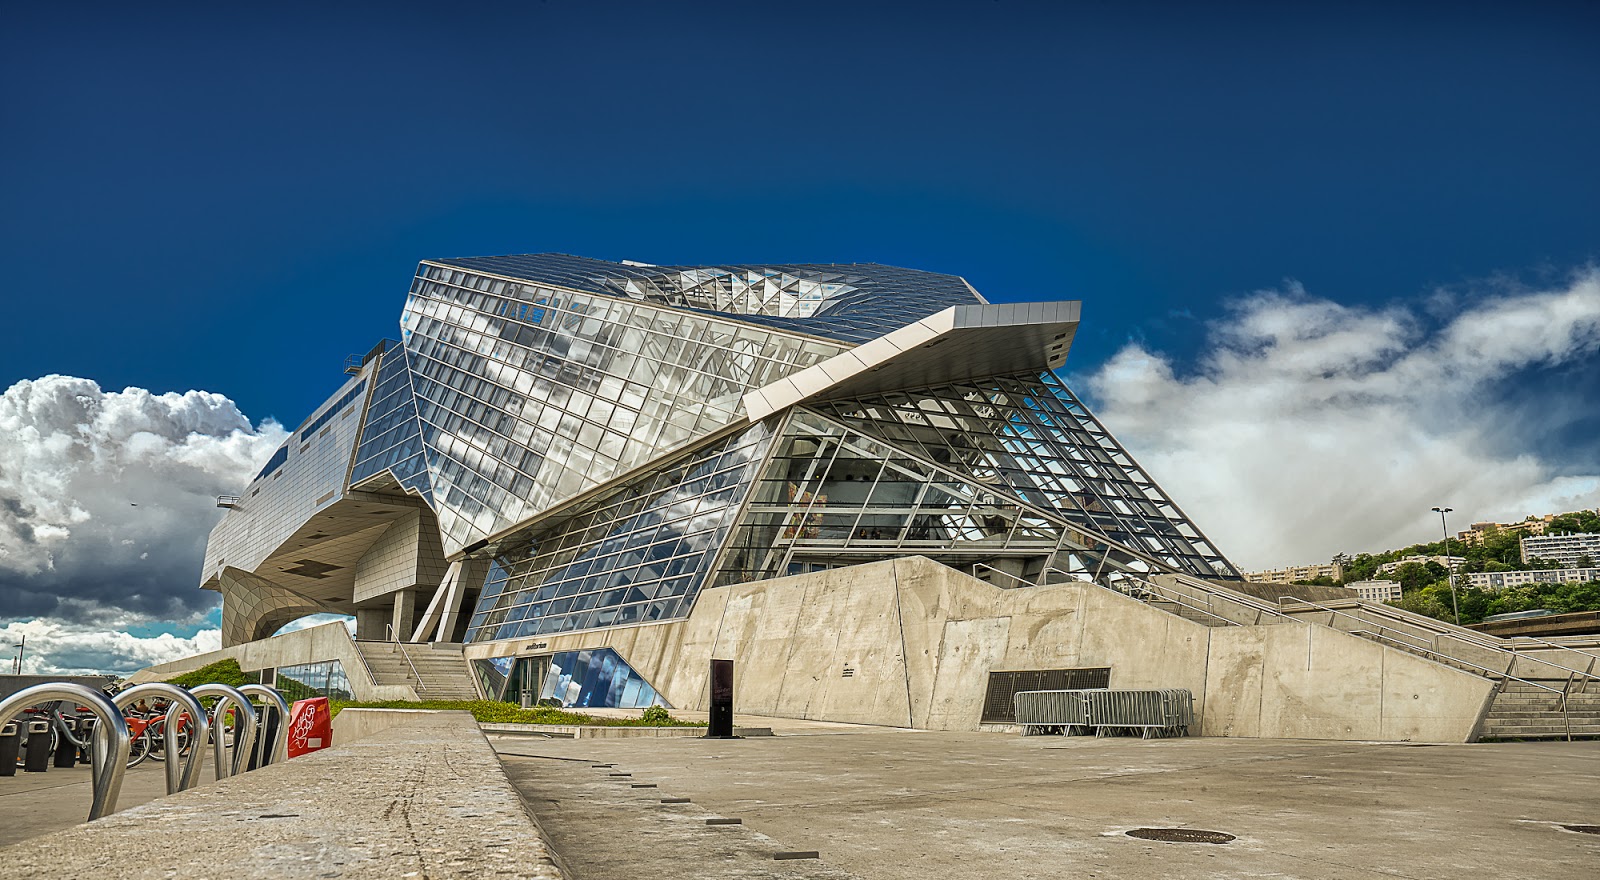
656	715
222	672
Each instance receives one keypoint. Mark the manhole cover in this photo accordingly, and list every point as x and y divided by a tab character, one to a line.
1180	835
1583	829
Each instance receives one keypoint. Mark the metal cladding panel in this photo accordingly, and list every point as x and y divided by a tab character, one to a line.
999	705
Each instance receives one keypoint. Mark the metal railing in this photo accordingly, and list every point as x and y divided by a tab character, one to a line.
1561	694
393	638
109	755
183	775
1148	589
1473	640
244	727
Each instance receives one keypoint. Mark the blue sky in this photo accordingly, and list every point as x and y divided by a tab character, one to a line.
233	198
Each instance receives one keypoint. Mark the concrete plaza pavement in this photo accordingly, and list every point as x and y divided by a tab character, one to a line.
893	804
32	804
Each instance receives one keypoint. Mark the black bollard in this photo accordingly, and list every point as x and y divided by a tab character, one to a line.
36	754
66	752
86	736
721	726
10	744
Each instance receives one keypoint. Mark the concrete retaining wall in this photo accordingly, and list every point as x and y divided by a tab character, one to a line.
330	641
910	643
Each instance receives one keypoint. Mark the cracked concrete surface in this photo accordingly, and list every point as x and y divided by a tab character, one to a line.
898	805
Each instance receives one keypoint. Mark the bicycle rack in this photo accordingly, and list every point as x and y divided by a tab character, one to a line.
188	775
278	751
244	735
110	735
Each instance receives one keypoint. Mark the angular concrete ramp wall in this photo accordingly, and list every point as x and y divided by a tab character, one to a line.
911	643
316	644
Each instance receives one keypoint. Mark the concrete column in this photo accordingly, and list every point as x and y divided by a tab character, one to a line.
370	621
405	613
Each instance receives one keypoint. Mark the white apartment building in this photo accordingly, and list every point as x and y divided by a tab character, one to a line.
1295	573
1449	562
1376	590
1569	550
1499	580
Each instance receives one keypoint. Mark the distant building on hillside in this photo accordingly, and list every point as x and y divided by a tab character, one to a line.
1475	533
1294	573
1376	590
1449	562
1499	580
1569	550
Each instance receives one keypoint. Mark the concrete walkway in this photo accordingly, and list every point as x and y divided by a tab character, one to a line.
427	800
32	804
918	805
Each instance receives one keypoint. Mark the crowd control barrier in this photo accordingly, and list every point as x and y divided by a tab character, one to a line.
110	752
1103	712
244	729
182	773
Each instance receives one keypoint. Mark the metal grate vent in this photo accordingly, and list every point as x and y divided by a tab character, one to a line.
997	702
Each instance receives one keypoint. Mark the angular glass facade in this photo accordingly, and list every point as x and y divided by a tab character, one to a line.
633	555
309	680
597	442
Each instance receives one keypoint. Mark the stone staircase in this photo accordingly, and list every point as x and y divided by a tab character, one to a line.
1522	711
436	671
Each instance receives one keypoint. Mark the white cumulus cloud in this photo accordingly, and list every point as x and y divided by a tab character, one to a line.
56	646
1309	428
106	500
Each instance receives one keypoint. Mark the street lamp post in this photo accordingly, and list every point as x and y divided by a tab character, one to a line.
1449	565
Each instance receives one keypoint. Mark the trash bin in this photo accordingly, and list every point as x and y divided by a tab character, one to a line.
36	757
10	744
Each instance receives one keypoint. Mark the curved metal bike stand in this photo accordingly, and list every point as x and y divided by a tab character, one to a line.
187	776
244	735
111	744
279	749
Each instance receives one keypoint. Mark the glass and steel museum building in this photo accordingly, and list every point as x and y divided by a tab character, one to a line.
560	446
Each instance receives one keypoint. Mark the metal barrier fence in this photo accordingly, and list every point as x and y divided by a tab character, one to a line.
102	737
1104	712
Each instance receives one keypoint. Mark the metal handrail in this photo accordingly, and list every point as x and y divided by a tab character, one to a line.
1166	594
1486	640
1021	580
109	757
1153	589
1484	645
420	685
1566	716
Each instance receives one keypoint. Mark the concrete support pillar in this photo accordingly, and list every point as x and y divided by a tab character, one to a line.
370	621
405	614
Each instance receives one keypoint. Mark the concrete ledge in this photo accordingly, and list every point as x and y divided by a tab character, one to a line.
425	799
601	731
351	725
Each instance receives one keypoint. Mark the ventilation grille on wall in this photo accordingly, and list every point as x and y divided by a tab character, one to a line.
997	703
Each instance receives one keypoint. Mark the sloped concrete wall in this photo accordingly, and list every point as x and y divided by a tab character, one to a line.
317	644
910	643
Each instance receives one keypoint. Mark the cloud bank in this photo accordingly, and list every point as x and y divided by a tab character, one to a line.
56	646
1310	428
106	500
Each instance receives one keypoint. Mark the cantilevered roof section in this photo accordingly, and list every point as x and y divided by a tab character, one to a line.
959	343
850	302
